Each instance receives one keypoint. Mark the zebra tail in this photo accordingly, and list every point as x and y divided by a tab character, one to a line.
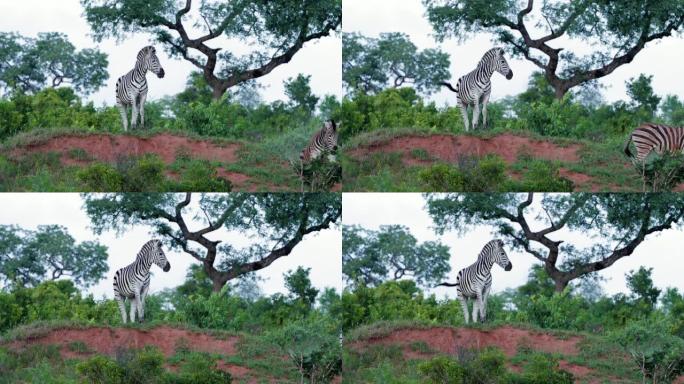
448	85
626	148
447	285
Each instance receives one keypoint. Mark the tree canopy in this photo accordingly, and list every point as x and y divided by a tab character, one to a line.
371	65
299	92
617	224
392	252
278	30
50	60
276	224
28	257
615	30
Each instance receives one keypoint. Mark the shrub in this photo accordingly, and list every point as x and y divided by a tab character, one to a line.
542	369
441	370
100	370
541	176
472	175
199	368
99	177
320	174
200	176
662	172
658	354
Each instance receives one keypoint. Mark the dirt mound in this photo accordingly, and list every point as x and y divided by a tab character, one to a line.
451	148
451	340
108	341
110	148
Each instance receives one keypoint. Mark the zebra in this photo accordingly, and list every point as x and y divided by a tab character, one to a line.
475	87
325	140
654	137
133	281
475	281
131	88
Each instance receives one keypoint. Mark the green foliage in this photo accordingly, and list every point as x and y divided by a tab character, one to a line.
662	172
49	252
641	285
299	285
131	174
371	257
641	92
658	355
299	92
542	369
371	65
484	174
199	368
50	60
321	174
312	347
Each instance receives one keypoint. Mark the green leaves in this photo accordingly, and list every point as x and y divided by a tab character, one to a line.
371	257
50	60
49	253
371	65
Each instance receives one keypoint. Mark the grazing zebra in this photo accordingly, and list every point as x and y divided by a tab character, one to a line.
133	281
475	87
654	137
131	88
475	281
325	140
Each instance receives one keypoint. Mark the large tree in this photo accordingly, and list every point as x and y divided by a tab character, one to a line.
50	60
28	257
616	31
392	252
392	60
536	223
278	30
276	224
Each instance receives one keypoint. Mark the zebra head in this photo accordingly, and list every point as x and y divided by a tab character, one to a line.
147	58
501	65
499	255
158	257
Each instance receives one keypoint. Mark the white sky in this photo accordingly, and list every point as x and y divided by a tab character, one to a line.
322	59
370	210
372	17
322	252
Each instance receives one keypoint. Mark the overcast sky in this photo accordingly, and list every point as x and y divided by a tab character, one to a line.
372	17
322	252
662	252
322	59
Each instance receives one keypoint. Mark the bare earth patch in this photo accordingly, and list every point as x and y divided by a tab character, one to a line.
107	341
111	148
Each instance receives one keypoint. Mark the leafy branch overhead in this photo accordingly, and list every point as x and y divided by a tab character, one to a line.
370	65
616	223
50	60
276	223
279	29
615	30
28	257
392	252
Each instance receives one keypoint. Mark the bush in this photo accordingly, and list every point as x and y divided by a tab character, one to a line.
313	348
662	172
143	366
100	177
320	174
658	354
199	368
200	176
542	369
441	370
541	176
472	175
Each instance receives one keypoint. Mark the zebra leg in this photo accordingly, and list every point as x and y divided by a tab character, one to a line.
464	307
134	117
143	97
476	310
480	307
122	308
476	114
464	113
141	308
124	116
133	310
485	101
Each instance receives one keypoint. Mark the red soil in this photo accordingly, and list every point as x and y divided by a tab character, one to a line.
110	148
450	148
108	340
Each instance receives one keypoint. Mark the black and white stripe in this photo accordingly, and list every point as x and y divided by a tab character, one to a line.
131	88
475	87
133	281
324	141
475	281
654	137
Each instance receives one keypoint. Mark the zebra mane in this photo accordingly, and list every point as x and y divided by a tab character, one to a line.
143	53
495	243
492	53
151	244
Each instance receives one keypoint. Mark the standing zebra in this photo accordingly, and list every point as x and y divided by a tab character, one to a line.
131	88
325	140
475	87
654	137
133	281
475	281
